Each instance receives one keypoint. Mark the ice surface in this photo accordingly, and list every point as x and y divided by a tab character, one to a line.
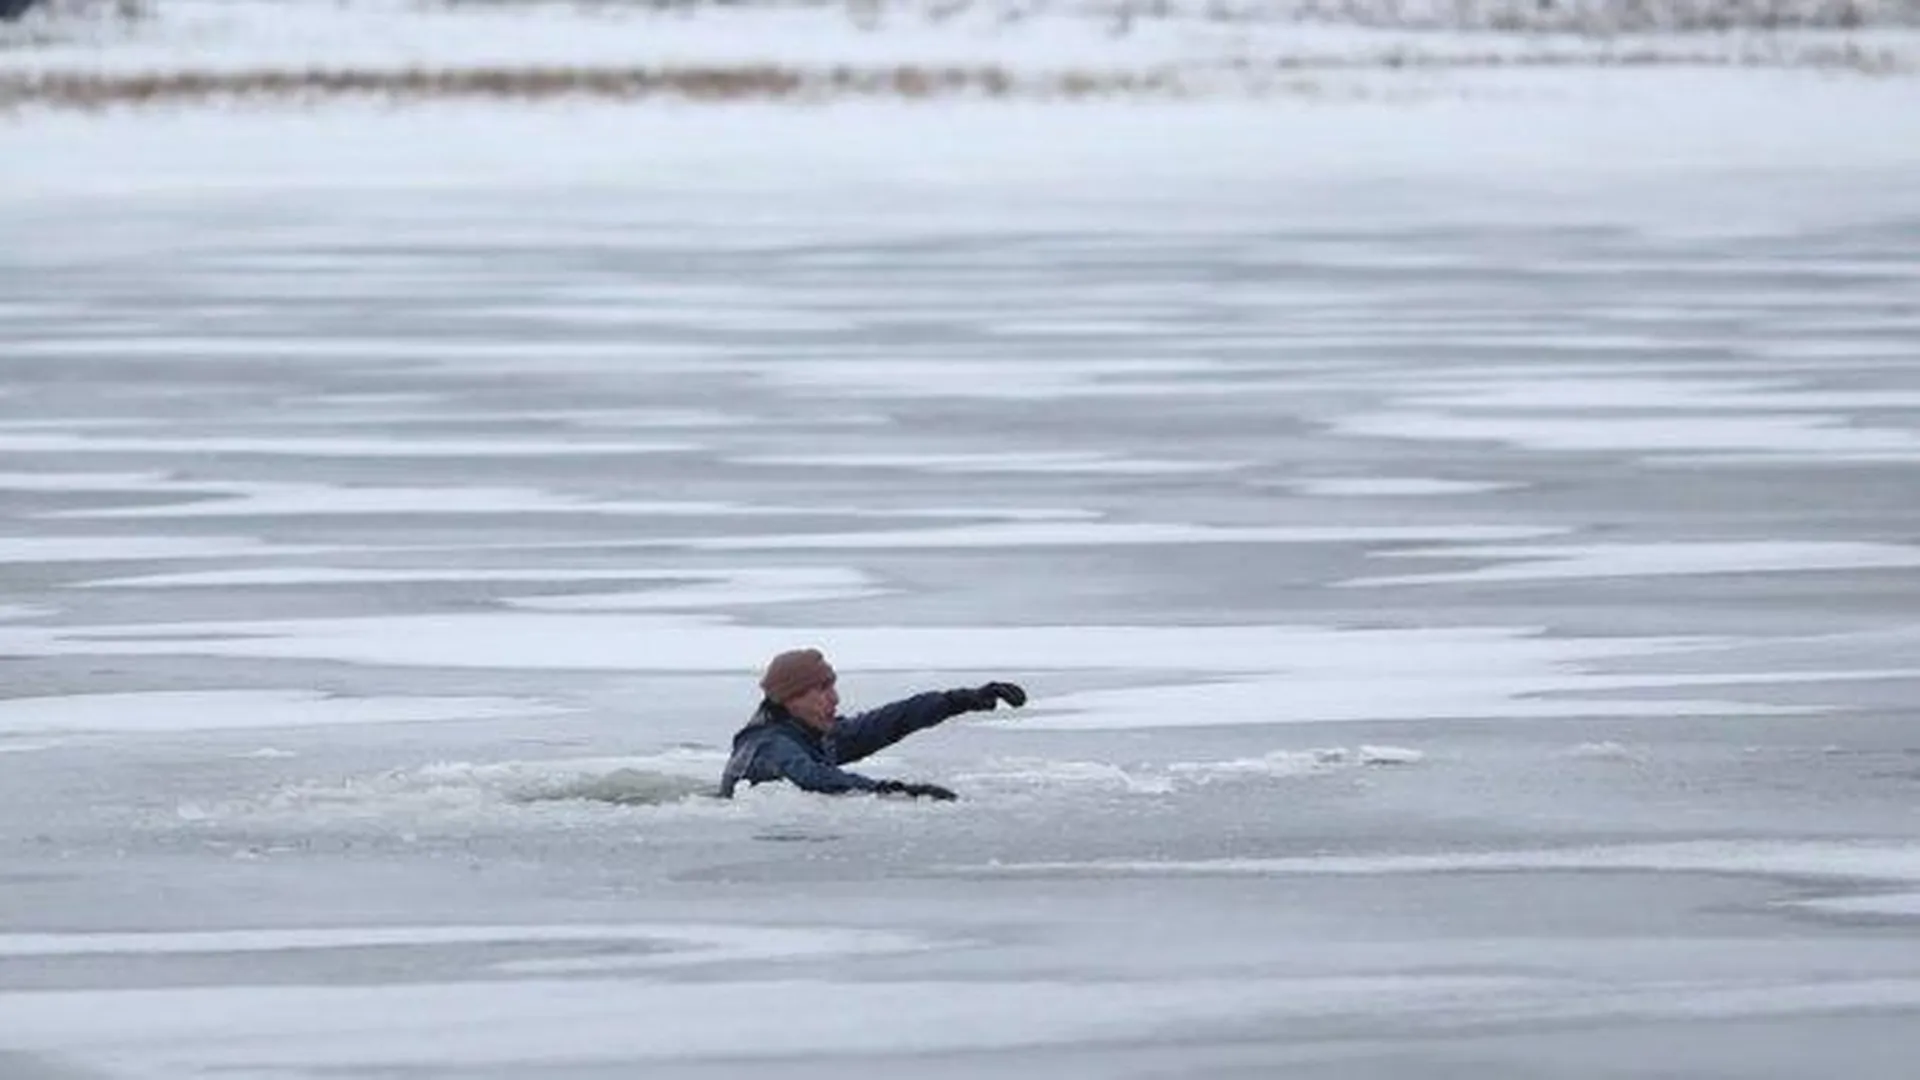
398	501
215	710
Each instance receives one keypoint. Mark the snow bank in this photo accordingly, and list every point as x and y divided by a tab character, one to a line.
1678	147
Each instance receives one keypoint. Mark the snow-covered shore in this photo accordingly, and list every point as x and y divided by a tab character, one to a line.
200	50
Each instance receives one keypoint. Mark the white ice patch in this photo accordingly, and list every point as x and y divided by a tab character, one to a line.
1391	755
673	944
1898	905
1584	391
69	549
1275	674
1759	437
533	1026
1262	674
1286	764
679	589
730	588
1106	534
1388	487
758	317
1278	764
686	644
349	410
204	499
1373	688
1604	751
1574	561
27	746
11	612
694	599
1039	462
352	575
331	446
306	500
1085	326
1524	391
509	355
63	482
1828	862
225	710
1005	776
1058	379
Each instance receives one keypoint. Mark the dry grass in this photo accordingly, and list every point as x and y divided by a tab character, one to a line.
769	82
71	11
1846	58
703	83
1599	17
1593	17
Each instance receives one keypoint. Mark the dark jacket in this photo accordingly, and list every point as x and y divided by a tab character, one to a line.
777	745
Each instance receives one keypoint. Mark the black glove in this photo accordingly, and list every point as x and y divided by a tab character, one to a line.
914	791
987	698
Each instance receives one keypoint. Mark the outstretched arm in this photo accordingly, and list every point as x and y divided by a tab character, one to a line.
855	737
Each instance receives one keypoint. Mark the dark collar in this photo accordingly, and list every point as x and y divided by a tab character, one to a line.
772	712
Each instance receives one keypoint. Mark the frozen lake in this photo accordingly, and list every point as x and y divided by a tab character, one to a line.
1471	618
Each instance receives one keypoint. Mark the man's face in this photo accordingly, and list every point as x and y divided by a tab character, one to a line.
817	707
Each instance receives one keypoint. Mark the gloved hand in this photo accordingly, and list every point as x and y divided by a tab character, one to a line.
987	698
914	791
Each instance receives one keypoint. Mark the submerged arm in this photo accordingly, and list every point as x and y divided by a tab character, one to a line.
783	759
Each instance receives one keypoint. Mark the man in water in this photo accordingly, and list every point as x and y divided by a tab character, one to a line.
798	735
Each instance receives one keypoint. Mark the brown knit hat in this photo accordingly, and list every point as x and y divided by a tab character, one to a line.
795	672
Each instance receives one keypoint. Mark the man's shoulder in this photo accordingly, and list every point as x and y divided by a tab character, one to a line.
765	726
